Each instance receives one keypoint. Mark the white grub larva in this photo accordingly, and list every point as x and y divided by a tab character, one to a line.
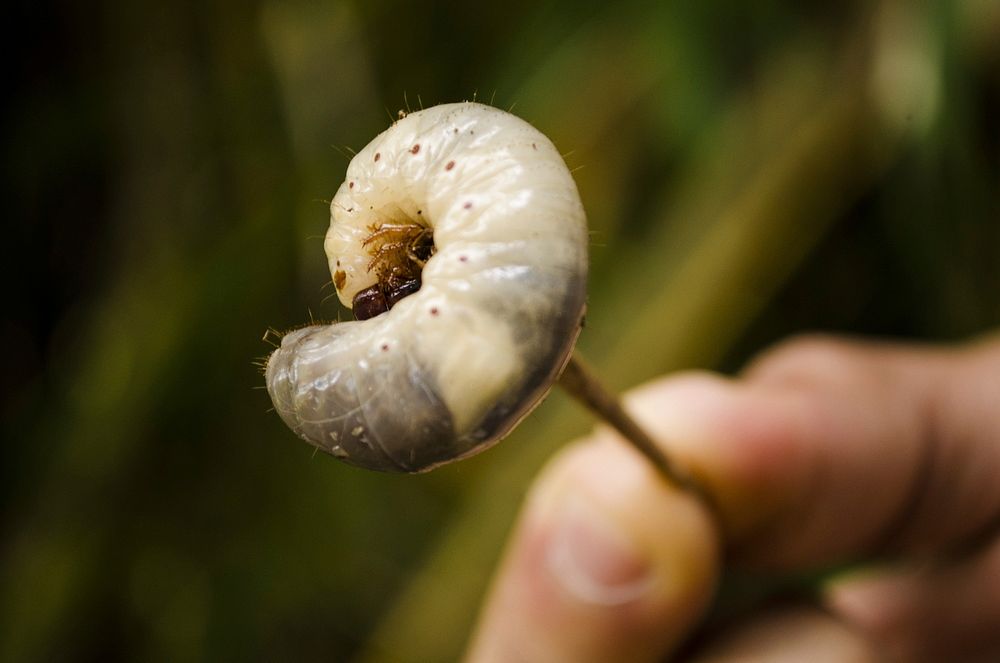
459	239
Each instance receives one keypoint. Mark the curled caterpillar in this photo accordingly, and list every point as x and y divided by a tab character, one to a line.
460	242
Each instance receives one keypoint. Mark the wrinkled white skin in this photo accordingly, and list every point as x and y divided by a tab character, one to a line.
453	367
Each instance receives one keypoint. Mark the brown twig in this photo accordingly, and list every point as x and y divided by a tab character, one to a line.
580	382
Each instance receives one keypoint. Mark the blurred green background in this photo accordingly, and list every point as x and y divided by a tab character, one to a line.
750	170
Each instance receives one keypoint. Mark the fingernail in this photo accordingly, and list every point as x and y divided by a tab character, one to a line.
593	560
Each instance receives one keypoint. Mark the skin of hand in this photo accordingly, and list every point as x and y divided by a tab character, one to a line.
823	452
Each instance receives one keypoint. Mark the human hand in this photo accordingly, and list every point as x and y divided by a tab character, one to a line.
823	452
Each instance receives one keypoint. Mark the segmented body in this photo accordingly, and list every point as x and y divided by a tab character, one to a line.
455	364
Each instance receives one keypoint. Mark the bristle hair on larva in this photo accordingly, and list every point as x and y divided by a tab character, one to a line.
459	238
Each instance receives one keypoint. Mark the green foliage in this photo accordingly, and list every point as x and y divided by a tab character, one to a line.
750	170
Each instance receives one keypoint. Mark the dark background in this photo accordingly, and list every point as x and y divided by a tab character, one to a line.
750	170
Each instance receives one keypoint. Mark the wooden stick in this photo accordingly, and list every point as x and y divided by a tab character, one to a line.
581	383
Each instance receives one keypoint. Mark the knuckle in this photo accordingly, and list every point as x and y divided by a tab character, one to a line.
809	359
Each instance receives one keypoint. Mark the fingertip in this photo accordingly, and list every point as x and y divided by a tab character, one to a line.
791	635
925	609
608	562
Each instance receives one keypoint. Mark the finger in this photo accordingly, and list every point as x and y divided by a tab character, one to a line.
830	450
826	451
607	563
927	612
791	636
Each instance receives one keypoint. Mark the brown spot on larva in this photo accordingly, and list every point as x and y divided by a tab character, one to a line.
339	277
456	129
463	258
338	262
350	209
420	211
534	147
350	185
378	155
385	347
450	165
434	310
415	149
468	205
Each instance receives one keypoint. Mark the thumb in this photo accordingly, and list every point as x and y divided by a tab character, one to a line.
591	577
